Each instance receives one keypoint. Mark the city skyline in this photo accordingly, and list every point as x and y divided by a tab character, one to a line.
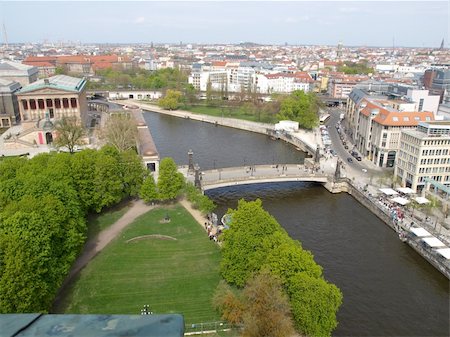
380	23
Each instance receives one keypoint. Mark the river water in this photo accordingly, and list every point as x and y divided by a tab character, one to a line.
389	290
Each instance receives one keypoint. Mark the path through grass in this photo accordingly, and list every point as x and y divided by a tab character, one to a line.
172	276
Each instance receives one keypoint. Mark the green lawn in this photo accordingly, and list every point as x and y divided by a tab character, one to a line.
232	112
172	276
99	222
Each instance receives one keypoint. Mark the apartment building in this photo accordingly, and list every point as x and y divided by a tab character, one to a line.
379	128
424	156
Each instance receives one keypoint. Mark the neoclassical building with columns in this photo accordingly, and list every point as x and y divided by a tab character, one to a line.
44	102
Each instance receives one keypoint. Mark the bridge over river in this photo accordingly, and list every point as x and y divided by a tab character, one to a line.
255	174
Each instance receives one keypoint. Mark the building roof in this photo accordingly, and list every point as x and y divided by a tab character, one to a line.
39	63
386	115
60	82
28	325
8	85
9	68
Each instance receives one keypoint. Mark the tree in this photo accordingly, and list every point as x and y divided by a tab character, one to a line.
244	244
148	191
228	304
170	181
315	303
120	131
171	100
262	307
301	107
70	133
268	310
199	200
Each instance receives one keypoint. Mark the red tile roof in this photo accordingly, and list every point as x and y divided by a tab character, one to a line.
388	117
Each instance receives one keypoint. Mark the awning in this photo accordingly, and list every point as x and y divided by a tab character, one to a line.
400	200
421	200
445	252
406	190
433	242
388	191
419	231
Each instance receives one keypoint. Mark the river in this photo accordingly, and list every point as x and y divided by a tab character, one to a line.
389	290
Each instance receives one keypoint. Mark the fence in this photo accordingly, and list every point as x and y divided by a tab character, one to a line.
207	328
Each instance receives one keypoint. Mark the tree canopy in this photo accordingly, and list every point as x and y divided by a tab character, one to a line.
255	241
70	133
171	101
300	107
170	181
43	205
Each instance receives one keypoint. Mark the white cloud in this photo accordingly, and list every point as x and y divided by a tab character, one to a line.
349	9
140	19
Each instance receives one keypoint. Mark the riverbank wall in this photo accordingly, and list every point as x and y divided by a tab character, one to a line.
414	242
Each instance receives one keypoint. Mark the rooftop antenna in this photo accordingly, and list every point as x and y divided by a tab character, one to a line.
5	36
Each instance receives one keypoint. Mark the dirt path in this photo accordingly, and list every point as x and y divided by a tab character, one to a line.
93	246
196	214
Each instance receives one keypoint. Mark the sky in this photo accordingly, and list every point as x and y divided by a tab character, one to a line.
362	23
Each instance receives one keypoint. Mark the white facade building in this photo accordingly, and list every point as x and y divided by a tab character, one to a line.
424	156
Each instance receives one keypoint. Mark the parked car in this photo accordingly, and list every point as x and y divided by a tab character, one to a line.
346	147
358	158
350	160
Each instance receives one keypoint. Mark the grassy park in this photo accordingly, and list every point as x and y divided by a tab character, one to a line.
172	275
231	112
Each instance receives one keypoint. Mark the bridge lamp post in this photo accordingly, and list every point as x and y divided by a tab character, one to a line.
214	164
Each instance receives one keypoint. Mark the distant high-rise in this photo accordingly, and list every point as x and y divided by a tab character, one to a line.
339	49
442	45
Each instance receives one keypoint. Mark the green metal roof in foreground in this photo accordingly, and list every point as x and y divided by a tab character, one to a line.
60	82
36	325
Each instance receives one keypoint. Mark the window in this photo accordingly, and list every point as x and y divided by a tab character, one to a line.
57	103
25	104
49	103
406	119
32	104
41	104
73	102
65	102
421	104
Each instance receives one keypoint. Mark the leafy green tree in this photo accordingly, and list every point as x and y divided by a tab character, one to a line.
199	200
70	133
132	172
83	173
244	249
149	192
254	242
315	303
171	100
108	185
170	181
300	107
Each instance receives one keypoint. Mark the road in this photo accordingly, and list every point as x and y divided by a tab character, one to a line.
343	153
